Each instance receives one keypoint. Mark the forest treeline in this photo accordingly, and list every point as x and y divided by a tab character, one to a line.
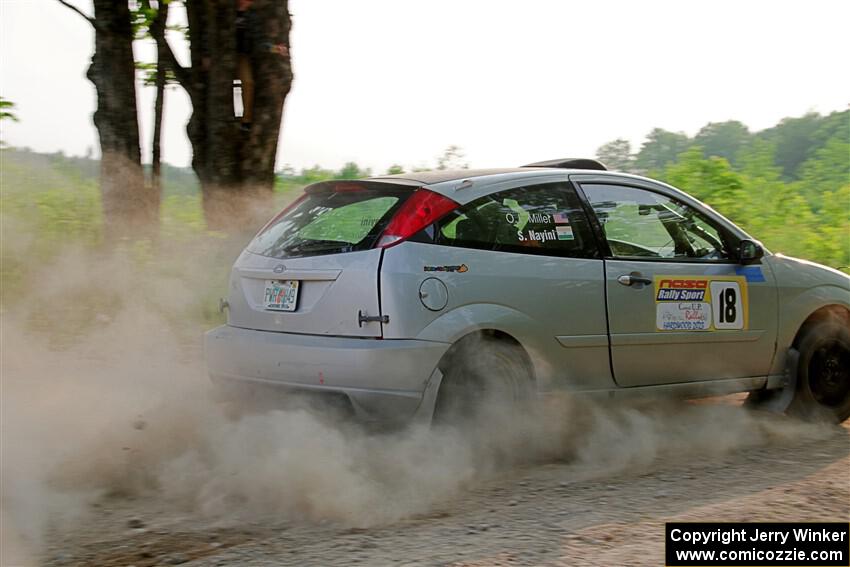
788	185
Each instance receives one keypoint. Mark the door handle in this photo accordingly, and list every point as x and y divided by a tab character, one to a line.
633	278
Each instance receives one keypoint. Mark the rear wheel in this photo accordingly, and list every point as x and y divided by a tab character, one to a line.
822	388
482	375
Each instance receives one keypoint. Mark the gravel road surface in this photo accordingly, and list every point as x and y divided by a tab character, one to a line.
543	513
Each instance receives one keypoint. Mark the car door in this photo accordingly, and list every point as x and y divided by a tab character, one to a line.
680	308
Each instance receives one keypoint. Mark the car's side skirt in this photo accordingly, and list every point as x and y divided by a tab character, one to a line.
684	389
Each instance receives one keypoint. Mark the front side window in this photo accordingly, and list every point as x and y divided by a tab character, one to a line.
542	219
642	224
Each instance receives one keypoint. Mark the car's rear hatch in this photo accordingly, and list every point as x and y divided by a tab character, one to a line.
314	268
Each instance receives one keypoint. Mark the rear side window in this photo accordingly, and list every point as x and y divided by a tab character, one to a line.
539	219
342	218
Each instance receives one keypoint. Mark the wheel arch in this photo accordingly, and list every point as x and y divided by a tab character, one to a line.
797	312
501	322
831	312
445	394
785	398
488	334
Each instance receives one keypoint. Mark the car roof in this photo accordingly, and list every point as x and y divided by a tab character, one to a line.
442	175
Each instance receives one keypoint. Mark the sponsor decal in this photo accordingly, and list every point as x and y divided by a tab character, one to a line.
700	303
681	289
752	274
459	269
683	317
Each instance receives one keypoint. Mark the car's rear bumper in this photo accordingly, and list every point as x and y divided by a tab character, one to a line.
382	379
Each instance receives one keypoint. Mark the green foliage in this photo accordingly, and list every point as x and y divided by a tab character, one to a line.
61	202
711	180
660	148
6	108
288	182
834	225
775	211
143	14
723	139
617	155
352	171
149	73
827	170
395	169
794	139
788	185
452	158
181	217
51	222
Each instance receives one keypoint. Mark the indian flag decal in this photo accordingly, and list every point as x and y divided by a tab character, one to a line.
564	232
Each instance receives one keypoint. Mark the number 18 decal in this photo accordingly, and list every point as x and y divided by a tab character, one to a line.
727	305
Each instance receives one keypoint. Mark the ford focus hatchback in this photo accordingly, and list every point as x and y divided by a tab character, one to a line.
415	296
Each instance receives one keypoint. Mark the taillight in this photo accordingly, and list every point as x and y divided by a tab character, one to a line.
420	210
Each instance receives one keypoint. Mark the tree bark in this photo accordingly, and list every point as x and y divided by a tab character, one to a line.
235	167
129	207
159	103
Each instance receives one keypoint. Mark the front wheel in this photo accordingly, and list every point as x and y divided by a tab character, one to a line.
823	374
821	390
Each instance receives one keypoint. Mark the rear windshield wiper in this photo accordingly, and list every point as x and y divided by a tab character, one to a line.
316	246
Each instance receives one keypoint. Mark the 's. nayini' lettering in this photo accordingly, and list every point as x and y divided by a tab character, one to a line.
538	235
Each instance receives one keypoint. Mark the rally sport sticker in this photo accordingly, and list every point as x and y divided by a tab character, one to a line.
699	303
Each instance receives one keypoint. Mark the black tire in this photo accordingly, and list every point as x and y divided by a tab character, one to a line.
482	374
823	373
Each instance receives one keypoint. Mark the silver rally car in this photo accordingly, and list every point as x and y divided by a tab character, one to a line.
406	295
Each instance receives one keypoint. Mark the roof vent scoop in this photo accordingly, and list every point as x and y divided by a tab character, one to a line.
570	163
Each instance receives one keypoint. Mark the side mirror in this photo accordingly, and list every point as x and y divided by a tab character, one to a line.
749	252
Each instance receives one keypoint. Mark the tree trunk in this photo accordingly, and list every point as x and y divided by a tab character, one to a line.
156	144
235	167
129	208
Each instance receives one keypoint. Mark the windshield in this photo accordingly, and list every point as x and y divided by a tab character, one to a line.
345	218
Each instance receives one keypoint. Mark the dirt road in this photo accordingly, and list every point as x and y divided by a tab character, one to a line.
536	514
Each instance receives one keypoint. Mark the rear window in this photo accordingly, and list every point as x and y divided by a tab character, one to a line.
331	219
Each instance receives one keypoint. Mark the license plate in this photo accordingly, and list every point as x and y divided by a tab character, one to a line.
281	295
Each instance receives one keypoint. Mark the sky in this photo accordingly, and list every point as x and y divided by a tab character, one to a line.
383	82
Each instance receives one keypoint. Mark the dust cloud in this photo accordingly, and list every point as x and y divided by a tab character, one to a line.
104	396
